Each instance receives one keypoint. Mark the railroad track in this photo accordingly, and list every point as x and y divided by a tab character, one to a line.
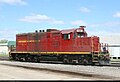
115	65
53	62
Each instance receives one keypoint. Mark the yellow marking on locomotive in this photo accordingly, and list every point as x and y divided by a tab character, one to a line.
57	53
24	41
72	52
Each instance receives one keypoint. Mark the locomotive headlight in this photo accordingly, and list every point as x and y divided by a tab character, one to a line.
81	30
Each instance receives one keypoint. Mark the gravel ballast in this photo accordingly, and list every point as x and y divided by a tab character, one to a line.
104	72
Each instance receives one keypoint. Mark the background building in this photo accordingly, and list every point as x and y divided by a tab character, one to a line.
114	46
6	45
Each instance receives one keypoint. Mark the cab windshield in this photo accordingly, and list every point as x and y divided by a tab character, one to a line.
79	34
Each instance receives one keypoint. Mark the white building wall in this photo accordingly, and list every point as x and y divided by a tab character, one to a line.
114	51
114	42
3	50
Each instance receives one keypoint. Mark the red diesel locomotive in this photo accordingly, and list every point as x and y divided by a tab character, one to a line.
68	46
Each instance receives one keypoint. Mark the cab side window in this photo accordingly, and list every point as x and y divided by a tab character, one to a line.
80	35
66	36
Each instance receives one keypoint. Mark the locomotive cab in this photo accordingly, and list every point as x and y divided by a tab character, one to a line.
81	32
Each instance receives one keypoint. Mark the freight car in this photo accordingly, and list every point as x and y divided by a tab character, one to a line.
68	46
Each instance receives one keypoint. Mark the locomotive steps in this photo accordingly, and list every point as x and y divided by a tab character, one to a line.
111	73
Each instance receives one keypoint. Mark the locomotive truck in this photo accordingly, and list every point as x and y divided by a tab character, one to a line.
67	46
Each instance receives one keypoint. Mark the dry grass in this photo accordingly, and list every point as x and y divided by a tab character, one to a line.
3	55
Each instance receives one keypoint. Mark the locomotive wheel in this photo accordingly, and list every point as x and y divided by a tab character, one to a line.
23	59
28	59
35	59
65	60
85	61
10	57
74	61
80	61
16	58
